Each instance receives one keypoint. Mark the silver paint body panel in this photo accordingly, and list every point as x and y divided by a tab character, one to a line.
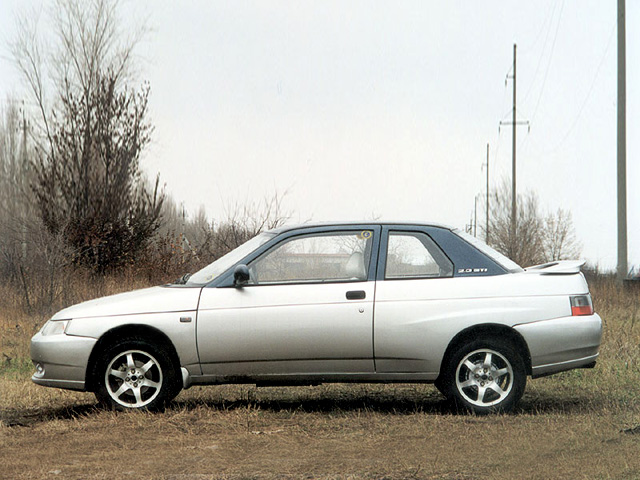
148	300
286	329
65	357
562	343
415	320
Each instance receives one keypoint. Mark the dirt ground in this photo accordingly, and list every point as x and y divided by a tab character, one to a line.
325	432
582	424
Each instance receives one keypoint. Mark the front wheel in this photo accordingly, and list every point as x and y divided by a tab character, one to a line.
485	376
134	374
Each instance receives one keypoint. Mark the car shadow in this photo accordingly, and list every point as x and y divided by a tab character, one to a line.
14	417
378	401
399	403
397	406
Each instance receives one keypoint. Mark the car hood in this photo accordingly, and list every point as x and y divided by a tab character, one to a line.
148	300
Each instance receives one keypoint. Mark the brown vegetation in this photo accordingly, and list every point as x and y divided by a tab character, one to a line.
579	424
81	157
537	237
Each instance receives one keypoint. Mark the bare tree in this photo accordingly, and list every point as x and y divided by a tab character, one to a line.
92	131
243	222
187	242
525	247
538	238
13	183
559	241
31	259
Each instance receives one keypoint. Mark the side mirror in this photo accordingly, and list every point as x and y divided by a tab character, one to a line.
240	275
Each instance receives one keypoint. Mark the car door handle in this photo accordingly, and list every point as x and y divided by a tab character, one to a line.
356	295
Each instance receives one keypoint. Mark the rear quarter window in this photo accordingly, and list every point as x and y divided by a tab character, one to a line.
496	256
415	255
470	259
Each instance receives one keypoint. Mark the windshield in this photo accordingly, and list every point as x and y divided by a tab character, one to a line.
225	262
497	257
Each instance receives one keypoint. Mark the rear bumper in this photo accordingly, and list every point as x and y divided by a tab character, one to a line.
562	343
61	360
544	370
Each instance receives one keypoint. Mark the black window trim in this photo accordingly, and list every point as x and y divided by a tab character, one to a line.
384	245
225	280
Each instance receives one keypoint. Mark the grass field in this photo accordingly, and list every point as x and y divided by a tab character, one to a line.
583	424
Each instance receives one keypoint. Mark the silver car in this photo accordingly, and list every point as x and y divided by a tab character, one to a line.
320	303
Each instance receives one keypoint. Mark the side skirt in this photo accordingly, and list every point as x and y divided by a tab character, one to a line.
307	379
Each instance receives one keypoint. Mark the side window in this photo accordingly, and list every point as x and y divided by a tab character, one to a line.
415	255
332	257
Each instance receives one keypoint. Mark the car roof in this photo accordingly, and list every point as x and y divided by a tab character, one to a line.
286	228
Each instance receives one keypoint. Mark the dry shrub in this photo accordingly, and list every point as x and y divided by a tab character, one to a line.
20	320
619	307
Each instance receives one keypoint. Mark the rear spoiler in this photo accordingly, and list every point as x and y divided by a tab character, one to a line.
560	267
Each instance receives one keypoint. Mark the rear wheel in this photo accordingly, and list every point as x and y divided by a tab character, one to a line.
134	374
484	376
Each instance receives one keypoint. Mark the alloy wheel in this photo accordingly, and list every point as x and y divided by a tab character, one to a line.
133	379
484	378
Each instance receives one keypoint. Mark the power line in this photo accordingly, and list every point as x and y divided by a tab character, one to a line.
548	19
588	95
496	150
546	73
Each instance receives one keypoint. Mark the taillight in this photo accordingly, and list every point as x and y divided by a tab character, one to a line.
581	305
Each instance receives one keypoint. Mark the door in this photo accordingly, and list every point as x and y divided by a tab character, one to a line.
414	273
308	309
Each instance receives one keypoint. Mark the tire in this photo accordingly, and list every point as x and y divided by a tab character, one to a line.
484	376
135	374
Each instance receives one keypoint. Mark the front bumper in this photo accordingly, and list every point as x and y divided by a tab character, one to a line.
562	343
61	360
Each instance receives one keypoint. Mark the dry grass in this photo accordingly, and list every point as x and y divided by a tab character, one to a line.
582	424
17	325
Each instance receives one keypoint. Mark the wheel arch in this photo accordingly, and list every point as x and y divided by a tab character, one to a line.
146	332
494	330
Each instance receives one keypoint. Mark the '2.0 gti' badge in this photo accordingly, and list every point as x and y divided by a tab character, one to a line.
472	270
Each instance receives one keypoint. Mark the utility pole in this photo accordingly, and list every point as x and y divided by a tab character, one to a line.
513	150
622	146
475	216
486	228
513	123
23	170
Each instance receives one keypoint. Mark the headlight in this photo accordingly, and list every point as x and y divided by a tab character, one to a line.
54	327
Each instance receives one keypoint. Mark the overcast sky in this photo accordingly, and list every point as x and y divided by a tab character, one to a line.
384	109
